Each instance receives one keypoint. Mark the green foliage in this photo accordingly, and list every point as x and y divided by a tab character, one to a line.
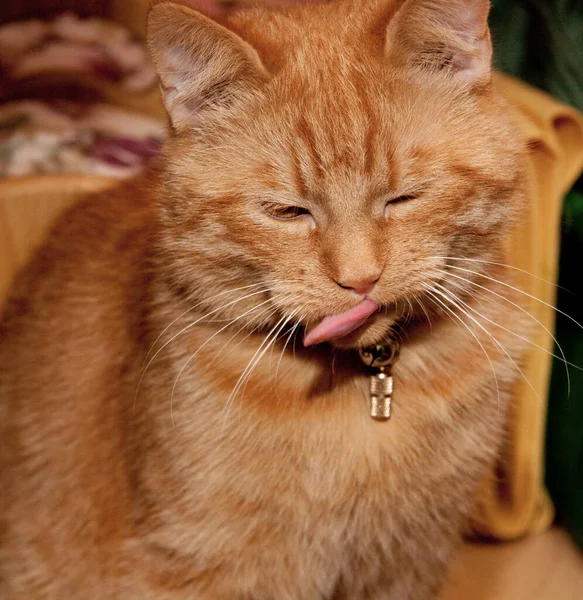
542	43
565	416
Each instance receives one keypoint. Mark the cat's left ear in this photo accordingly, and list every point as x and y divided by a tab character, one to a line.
443	35
207	73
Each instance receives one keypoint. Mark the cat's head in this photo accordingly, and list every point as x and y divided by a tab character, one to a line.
332	156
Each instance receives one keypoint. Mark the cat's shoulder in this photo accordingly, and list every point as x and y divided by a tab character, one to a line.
95	251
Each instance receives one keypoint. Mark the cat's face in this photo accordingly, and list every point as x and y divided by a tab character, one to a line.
326	165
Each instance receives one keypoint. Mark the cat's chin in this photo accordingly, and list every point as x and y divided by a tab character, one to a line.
372	332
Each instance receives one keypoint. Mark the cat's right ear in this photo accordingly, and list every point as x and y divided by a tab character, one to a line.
206	71
451	36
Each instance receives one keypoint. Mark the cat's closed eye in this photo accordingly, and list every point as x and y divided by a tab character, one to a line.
403	198
284	212
399	200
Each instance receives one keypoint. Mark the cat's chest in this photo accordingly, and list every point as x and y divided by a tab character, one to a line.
301	467
307	427
311	447
293	434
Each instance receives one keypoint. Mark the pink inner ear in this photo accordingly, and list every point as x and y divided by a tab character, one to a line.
473	66
207	71
182	110
425	32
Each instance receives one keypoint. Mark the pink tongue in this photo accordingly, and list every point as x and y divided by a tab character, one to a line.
336	326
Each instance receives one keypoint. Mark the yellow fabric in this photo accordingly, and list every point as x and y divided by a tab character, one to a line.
28	206
514	501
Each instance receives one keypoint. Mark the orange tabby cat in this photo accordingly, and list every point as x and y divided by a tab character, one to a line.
339	171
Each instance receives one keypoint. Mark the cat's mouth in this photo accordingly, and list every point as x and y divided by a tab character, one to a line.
338	326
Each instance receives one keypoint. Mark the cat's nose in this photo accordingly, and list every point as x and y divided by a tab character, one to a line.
360	285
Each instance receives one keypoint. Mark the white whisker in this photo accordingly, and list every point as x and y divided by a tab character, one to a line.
271	345
498	344
473	334
562	357
197	305
422	306
499	264
202	346
269	311
291	333
263	348
493	279
182	331
334	361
